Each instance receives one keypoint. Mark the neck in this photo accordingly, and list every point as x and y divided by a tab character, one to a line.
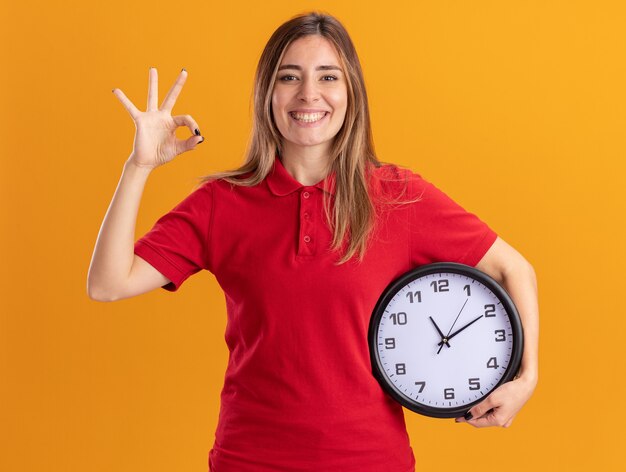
308	165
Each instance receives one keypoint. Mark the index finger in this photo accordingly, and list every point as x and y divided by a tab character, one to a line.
132	109
492	419
172	95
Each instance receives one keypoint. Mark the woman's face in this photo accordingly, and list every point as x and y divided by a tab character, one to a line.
310	95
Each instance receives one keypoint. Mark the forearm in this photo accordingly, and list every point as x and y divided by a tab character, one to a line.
521	284
113	254
509	268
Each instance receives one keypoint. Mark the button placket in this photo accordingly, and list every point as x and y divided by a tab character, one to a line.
307	242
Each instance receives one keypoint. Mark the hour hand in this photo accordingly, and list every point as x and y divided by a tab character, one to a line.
443	337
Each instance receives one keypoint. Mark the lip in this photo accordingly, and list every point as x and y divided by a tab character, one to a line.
309	110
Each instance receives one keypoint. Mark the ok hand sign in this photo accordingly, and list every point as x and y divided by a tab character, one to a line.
155	138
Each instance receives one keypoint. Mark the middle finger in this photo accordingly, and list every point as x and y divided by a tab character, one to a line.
153	90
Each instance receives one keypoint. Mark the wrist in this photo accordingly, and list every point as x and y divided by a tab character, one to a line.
132	166
529	378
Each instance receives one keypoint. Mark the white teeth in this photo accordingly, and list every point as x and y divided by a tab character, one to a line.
308	117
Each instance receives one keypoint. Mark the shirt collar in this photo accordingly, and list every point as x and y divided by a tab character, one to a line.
281	182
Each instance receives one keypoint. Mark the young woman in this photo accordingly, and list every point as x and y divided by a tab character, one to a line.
303	238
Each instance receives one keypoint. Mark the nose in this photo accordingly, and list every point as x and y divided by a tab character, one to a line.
308	91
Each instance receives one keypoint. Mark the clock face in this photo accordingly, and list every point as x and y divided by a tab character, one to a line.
444	336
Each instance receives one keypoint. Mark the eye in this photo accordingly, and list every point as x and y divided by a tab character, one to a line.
287	78
331	77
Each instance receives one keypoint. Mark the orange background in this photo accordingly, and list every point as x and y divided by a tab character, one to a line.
516	109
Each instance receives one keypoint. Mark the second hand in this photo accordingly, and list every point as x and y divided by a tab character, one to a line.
455	320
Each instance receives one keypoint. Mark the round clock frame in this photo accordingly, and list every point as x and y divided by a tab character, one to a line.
442	268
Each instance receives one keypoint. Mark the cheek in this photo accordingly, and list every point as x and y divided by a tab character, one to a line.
278	113
340	105
340	101
276	109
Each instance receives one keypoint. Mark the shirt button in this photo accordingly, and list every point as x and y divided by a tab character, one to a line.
307	239
305	194
306	215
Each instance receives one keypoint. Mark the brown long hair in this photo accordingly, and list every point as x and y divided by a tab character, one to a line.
353	215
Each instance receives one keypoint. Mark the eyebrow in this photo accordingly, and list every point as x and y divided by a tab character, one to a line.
297	67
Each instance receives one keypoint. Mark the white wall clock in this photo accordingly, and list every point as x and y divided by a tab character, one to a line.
442	337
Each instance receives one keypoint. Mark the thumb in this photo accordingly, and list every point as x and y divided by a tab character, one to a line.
192	125
481	409
189	144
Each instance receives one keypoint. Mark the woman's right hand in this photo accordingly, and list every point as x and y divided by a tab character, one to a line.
155	137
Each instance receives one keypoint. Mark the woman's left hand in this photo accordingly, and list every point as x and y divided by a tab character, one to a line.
500	408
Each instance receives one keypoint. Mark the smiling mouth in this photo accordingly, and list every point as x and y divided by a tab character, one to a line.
308	117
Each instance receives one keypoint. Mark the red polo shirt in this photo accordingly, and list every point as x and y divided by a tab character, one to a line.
299	394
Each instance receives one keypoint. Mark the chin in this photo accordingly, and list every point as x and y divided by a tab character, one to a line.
315	143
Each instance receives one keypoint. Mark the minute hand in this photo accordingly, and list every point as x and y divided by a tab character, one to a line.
461	329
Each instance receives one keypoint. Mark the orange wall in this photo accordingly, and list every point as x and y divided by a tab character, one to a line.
516	109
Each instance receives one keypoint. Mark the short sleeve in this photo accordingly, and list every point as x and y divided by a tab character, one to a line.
442	231
178	243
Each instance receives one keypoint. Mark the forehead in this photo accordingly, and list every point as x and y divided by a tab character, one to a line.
311	49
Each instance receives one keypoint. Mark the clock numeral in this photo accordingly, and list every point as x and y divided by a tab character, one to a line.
398	318
474	384
422	385
390	343
490	311
468	290
414	296
500	335
492	363
400	369
448	393
440	285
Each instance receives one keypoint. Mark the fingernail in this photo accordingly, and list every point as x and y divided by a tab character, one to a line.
201	141
468	416
197	131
